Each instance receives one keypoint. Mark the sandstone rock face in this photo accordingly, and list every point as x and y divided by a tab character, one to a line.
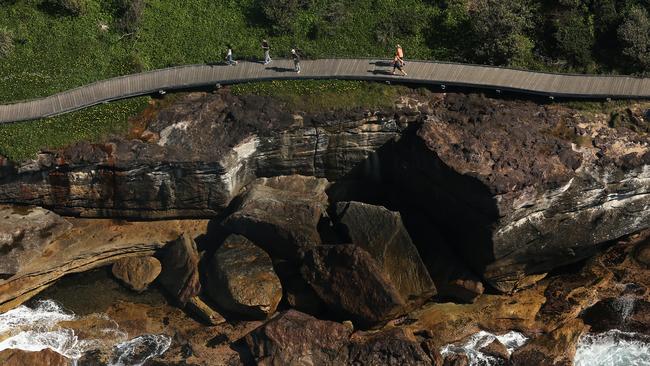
137	273
89	244
497	350
180	269
381	233
24	232
352	283
539	186
553	349
281	214
294	338
194	158
242	280
46	357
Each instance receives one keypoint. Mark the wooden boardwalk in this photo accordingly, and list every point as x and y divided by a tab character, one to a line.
419	72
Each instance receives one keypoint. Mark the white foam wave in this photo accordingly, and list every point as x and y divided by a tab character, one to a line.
38	328
613	348
512	340
140	349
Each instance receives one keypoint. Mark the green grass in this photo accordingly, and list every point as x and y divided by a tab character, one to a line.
602	106
323	95
24	140
55	53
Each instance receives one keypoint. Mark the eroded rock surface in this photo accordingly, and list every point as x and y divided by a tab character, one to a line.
381	233
281	214
540	186
294	338
352	283
241	279
180	269
46	357
137	273
24	232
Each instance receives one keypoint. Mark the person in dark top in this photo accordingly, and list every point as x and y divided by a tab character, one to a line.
267	52
296	60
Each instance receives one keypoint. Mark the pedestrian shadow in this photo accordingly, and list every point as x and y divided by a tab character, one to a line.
280	69
382	63
381	72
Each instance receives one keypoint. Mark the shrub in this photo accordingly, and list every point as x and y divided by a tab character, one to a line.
6	42
280	14
500	30
634	35
70	7
575	37
129	15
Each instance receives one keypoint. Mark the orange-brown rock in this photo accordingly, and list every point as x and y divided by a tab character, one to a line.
556	348
137	272
180	269
46	357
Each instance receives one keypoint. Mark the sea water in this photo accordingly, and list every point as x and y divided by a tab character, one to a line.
613	348
37	328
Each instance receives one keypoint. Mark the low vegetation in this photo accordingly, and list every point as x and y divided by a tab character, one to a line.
20	141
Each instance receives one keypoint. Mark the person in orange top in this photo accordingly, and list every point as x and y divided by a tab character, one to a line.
399	52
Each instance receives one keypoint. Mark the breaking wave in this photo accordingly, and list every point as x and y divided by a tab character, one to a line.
38	328
512	340
613	348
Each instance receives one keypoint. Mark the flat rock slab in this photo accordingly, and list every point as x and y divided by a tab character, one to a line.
295	338
24	231
281	214
351	282
137	273
382	234
46	357
241	279
89	244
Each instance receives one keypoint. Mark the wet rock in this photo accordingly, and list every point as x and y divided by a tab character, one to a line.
180	269
294	338
456	359
352	283
241	279
624	313
24	233
281	214
556	348
46	357
137	272
89	244
381	233
95	357
395	347
497	350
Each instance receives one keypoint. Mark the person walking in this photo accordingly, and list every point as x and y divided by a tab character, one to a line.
267	52
296	60
399	52
398	64
229	59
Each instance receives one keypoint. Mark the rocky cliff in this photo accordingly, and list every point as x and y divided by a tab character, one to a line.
514	188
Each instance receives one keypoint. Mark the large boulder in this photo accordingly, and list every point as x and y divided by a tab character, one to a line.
624	313
46	357
381	233
137	273
24	232
281	214
521	187
294	338
180	269
350	281
556	348
241	279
